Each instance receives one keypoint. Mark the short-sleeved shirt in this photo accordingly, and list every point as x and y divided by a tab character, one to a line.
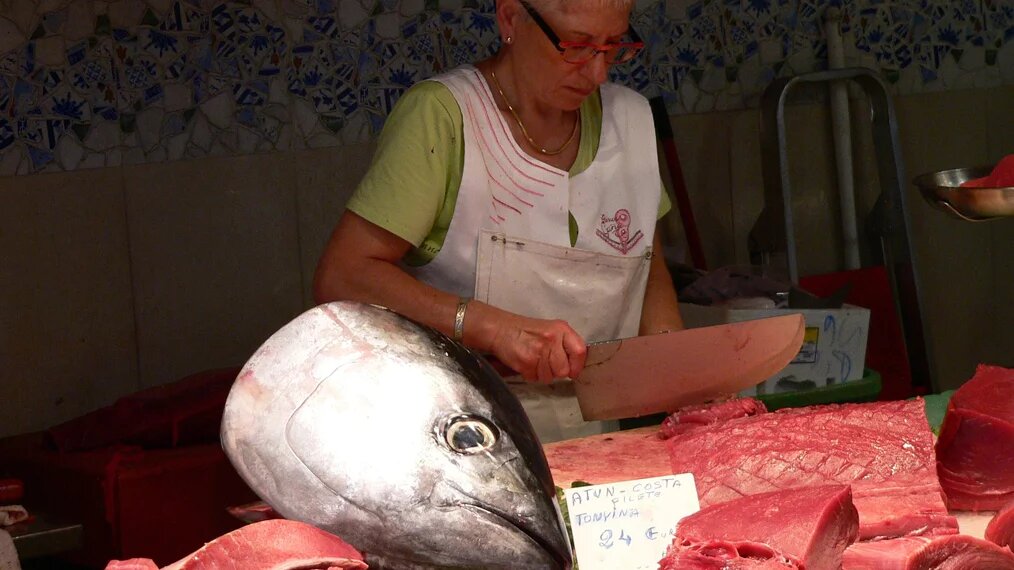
412	184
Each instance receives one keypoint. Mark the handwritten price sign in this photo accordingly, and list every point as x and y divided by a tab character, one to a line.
628	525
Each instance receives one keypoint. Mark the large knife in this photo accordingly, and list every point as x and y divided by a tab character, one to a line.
659	373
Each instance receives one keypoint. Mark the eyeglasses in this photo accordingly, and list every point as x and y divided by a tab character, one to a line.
581	52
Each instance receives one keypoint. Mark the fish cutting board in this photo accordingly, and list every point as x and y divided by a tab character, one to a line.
973	524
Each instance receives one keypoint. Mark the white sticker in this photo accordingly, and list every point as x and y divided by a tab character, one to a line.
628	525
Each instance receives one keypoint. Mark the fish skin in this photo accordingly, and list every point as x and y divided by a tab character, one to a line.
339	418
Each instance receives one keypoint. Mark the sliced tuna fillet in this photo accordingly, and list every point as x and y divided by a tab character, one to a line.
975	451
270	545
883	449
607	458
690	417
724	555
1001	527
807	528
954	552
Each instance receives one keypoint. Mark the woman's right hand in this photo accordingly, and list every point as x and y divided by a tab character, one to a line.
540	350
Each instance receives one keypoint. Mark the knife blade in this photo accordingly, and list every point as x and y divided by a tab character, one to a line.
660	373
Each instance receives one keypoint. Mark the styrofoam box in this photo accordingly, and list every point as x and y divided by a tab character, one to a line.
833	351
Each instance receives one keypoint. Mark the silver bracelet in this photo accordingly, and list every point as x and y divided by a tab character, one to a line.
459	318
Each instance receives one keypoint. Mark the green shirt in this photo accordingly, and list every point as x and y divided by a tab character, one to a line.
412	185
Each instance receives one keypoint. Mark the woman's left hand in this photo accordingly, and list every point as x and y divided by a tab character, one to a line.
538	349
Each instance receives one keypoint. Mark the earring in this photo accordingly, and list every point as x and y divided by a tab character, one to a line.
509	40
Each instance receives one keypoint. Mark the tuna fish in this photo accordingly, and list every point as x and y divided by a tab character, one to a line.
402	442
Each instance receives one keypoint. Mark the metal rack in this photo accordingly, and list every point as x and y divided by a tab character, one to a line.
774	231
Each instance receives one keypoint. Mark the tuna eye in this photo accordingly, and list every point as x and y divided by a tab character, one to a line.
470	434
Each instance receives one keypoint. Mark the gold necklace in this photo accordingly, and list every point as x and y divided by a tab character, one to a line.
524	131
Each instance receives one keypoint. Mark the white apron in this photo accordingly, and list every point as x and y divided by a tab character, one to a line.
508	243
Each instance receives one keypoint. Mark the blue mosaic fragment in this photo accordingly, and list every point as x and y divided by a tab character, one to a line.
55	128
312	77
153	93
246	116
751	49
50	79
759	6
904	56
348	100
107	112
481	23
402	76
310	36
376	121
391	97
409	29
174	19
326	26
40	158
324	100
249	20
296	87
259	43
28	59
159	42
689	56
276	33
222	20
7	137
244	95
68	106
26	96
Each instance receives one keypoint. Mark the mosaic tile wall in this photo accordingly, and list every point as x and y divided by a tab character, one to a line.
91	83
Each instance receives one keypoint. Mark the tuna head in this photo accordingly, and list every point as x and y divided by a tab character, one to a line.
407	445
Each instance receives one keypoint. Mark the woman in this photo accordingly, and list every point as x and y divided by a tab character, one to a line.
512	204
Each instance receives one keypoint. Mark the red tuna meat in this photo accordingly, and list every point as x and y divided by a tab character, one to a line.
883	449
724	555
607	458
270	545
1002	176
975	452
1001	527
690	417
954	552
806	528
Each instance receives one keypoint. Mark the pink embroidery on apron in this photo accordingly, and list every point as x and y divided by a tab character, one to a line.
616	231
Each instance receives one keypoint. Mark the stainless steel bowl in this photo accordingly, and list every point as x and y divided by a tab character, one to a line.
943	190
